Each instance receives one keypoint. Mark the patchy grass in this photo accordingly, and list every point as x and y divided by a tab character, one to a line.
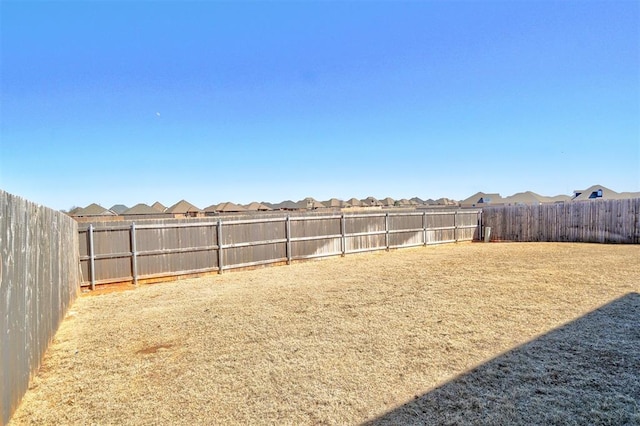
460	333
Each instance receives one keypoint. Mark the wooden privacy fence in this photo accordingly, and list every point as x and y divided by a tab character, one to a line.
153	249
597	221
39	280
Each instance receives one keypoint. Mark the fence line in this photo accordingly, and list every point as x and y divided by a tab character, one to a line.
130	251
39	279
601	221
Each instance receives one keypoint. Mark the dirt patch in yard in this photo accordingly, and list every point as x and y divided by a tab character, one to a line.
154	348
107	288
459	333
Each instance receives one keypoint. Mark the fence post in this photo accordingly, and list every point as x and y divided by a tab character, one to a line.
343	232
386	230
287	231
219	237
455	226
92	259
134	254
424	228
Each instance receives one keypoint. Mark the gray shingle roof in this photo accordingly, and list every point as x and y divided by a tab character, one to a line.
119	208
159	206
286	205
227	207
335	203
595	192
94	210
310	203
527	197
255	206
141	209
482	199
182	207
371	201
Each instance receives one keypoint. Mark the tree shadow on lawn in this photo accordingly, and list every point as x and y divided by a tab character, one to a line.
583	373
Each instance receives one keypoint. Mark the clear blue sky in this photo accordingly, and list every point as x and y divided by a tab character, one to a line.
127	102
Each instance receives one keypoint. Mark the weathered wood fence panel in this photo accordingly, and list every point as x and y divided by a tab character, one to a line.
600	221
39	279
128	251
318	236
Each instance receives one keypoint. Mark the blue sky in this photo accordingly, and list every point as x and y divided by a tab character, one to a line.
127	102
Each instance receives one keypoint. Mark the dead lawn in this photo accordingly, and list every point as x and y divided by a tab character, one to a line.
336	341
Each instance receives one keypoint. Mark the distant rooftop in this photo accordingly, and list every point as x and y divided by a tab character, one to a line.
93	210
119	208
141	209
479	199
182	207
159	206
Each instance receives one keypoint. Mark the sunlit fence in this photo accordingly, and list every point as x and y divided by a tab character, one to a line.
153	249
596	221
39	279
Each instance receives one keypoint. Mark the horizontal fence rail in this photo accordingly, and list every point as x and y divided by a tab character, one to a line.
130	251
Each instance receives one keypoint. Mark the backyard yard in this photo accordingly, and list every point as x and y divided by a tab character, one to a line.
468	333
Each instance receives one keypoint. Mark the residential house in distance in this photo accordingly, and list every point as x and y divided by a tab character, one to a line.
269	205
286	205
388	202
143	211
310	203
94	212
431	204
628	195
354	202
257	207
119	208
446	202
371	202
599	192
227	207
183	209
403	202
73	211
481	199
522	198
159	206
531	198
593	193
335	203
559	198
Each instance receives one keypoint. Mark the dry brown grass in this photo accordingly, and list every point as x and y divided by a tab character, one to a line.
344	341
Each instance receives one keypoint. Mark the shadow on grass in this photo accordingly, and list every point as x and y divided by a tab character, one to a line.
583	373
